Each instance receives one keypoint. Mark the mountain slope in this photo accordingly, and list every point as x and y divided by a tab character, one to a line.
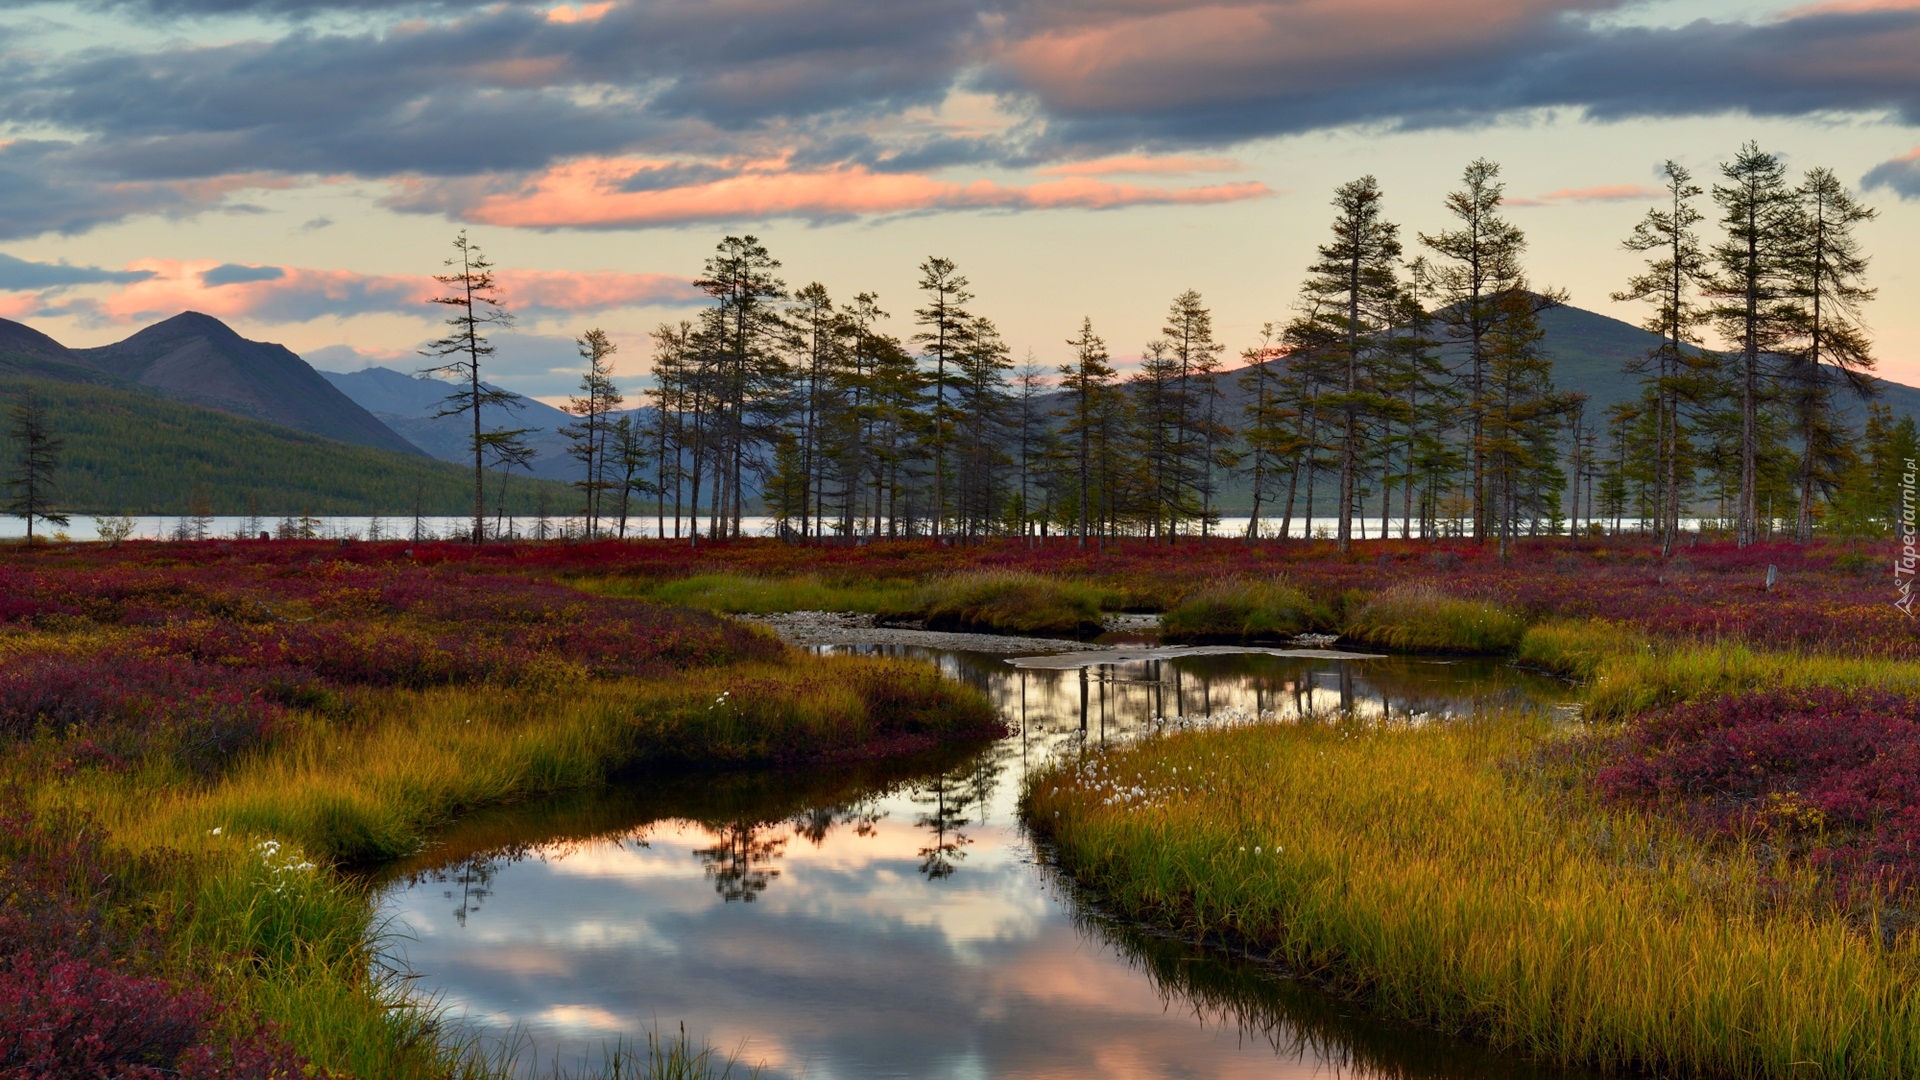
407	404
198	359
25	351
130	450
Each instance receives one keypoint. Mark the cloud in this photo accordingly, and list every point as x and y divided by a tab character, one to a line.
1900	176
289	294
1140	164
615	113
235	274
594	194
1208	74
20	274
1603	193
50	187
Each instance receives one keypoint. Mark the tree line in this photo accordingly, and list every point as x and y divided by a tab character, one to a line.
1409	386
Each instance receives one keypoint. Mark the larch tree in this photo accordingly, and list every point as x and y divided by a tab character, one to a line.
1480	263
943	323
588	437
1676	271
1194	451
743	333
36	457
1085	381
1756	308
1354	287
1829	280
473	294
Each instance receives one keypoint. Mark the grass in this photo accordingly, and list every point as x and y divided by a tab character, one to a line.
290	936
1242	609
980	601
1416	869
751	594
1011	602
1417	618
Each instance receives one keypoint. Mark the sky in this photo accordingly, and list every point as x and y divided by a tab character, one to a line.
299	167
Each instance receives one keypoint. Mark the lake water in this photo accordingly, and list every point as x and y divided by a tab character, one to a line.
895	920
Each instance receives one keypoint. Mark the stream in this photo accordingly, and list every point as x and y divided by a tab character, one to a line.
894	920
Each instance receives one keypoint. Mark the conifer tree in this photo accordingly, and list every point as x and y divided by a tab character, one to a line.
1085	382
1760	212
36	457
739	344
1354	288
1677	269
589	436
1829	281
1481	263
943	328
473	293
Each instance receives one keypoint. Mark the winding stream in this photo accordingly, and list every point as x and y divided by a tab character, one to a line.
893	920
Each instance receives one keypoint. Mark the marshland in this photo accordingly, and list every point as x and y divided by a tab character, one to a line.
419	810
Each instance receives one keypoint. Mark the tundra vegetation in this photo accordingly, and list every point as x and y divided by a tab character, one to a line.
204	739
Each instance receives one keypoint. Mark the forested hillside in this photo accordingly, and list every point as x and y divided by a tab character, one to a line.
128	451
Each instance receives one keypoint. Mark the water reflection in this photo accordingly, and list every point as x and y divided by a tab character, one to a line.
890	920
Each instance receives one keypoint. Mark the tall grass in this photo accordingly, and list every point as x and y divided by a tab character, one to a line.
1011	602
757	595
1242	609
1414	868
1419	618
289	936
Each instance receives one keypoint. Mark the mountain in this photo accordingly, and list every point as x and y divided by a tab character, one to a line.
1590	353
199	360
25	351
129	450
407	404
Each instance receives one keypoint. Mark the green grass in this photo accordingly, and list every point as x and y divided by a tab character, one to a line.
1011	602
982	601
1415	618
746	594
290	939
1242	609
1419	870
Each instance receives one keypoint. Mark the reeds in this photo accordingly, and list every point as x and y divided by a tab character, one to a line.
1242	609
1420	618
1415	868
1010	602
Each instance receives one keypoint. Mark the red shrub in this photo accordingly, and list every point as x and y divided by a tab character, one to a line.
1832	773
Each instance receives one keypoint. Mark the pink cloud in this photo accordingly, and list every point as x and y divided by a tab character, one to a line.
1603	193
18	306
1142	165
1158	55
584	13
1849	7
300	295
589	194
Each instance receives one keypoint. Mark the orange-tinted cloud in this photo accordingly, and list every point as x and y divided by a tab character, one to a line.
291	294
1603	193
1850	7
18	306
584	13
591	194
1161	55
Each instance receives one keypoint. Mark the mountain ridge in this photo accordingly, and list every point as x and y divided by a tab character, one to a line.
197	359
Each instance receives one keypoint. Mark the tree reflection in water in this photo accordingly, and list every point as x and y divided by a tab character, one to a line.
949	799
474	875
741	861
